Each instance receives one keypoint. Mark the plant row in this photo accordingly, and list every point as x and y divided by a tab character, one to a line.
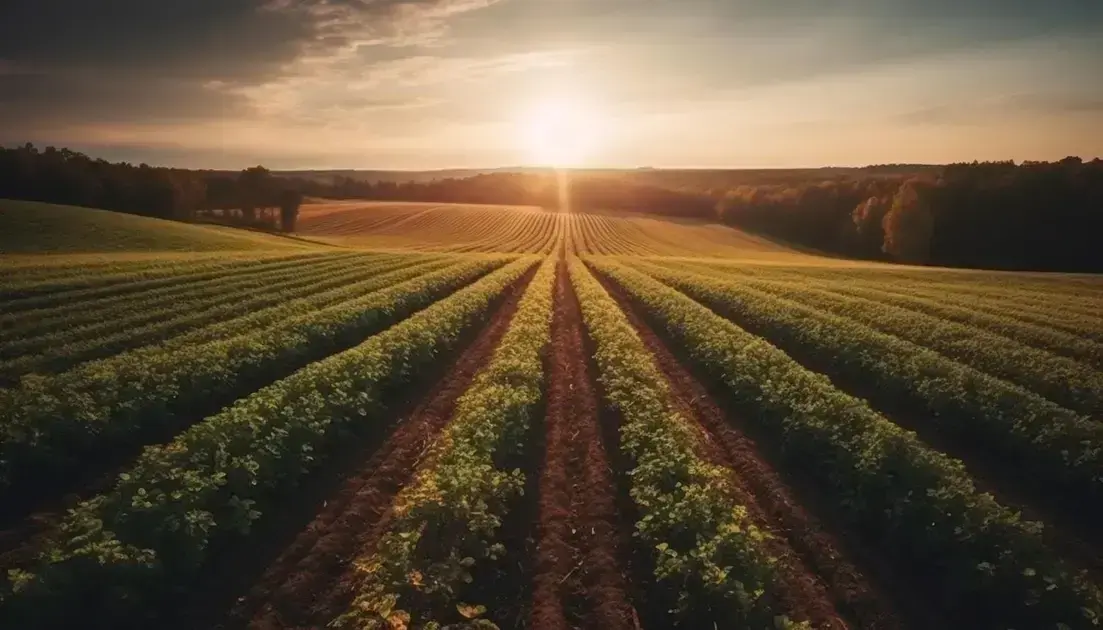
132	550
705	547
1059	285
63	269
90	285
81	345
1066	382
1057	312
918	506
520	233
85	313
1036	333
446	521
1075	304
1040	334
77	322
1061	449
52	267
1081	320
248	324
52	424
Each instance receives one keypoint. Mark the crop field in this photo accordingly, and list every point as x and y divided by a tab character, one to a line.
458	416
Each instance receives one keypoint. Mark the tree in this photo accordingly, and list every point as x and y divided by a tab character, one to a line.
290	200
868	217
255	185
908	226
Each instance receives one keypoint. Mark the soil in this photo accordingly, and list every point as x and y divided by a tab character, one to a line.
578	580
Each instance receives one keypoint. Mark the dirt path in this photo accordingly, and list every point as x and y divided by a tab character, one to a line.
819	581
306	585
578	580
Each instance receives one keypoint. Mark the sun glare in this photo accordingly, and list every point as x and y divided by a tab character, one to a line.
560	133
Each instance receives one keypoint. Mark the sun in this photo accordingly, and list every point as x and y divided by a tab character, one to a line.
560	132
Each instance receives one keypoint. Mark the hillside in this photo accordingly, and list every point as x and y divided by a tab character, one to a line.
29	227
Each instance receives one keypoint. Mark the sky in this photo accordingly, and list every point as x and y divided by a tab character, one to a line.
428	84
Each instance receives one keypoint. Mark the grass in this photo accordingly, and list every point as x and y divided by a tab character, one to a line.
30	227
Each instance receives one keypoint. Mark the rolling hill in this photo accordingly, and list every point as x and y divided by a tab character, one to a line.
30	227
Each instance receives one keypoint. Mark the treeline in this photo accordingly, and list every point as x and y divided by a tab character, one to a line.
1035	215
253	197
578	190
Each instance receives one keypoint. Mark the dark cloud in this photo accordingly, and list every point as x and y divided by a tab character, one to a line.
207	39
80	61
31	100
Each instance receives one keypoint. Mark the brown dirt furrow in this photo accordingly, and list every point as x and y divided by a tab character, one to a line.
820	583
578	578
303	587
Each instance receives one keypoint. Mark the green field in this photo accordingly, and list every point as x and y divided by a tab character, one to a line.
490	416
31	227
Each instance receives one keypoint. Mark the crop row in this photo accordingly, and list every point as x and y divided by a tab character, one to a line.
1062	450
920	506
521	232
124	552
45	269
1067	382
1081	319
1029	301
446	521
705	547
29	294
52	267
1071	313
31	331
1034	333
51	424
1039	330
1055	314
1059	285
85	312
70	348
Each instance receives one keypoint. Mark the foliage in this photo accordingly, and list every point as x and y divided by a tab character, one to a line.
64	341
446	520
52	422
919	504
30	287
121	552
706	549
908	226
1061	448
1034	215
1067	382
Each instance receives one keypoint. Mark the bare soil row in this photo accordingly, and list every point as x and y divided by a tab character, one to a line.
579	580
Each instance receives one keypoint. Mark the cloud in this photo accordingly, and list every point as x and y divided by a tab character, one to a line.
344	91
368	82
66	62
1026	105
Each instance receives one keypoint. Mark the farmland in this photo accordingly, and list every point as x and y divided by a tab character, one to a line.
419	415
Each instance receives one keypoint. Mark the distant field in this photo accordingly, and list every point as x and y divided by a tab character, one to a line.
458	228
480	415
